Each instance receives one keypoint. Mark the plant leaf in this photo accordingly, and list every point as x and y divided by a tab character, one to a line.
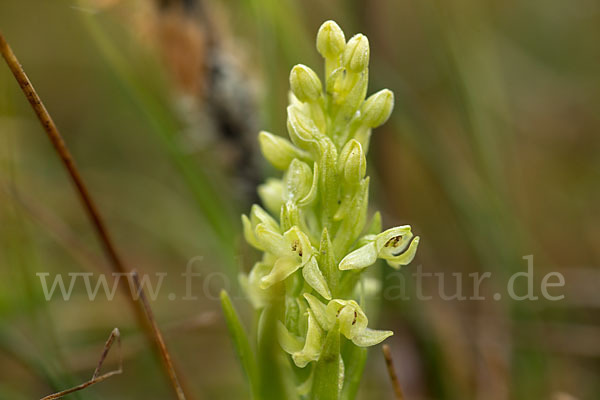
240	342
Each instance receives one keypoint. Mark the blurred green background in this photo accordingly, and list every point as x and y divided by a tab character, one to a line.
492	154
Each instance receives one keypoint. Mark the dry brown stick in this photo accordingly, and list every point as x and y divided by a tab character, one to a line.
387	354
114	335
89	205
139	291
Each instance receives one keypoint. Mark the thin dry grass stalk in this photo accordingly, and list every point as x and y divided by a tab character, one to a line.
158	336
387	354
116	263
96	377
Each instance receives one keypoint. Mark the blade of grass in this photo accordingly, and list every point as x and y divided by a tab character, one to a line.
241	343
158	338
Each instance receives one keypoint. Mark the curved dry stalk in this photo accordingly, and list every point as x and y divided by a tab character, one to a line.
150	327
96	378
387	354
158	336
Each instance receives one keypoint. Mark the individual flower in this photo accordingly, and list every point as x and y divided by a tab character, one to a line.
292	251
350	317
396	245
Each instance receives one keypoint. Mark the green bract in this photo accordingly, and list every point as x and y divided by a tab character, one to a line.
314	236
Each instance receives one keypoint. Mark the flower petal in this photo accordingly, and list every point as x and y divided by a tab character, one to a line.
319	311
312	193
360	258
370	337
249	234
288	342
312	346
313	276
284	267
259	216
271	241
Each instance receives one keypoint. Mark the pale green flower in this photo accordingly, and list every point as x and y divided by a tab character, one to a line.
351	319
292	251
396	245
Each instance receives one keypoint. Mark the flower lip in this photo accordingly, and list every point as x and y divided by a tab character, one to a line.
405	248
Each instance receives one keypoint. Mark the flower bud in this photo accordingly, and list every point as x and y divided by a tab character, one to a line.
377	108
278	151
330	40
301	128
356	54
298	181
348	92
271	195
352	162
305	83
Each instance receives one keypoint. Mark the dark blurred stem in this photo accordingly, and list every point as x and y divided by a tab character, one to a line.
387	354
150	327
